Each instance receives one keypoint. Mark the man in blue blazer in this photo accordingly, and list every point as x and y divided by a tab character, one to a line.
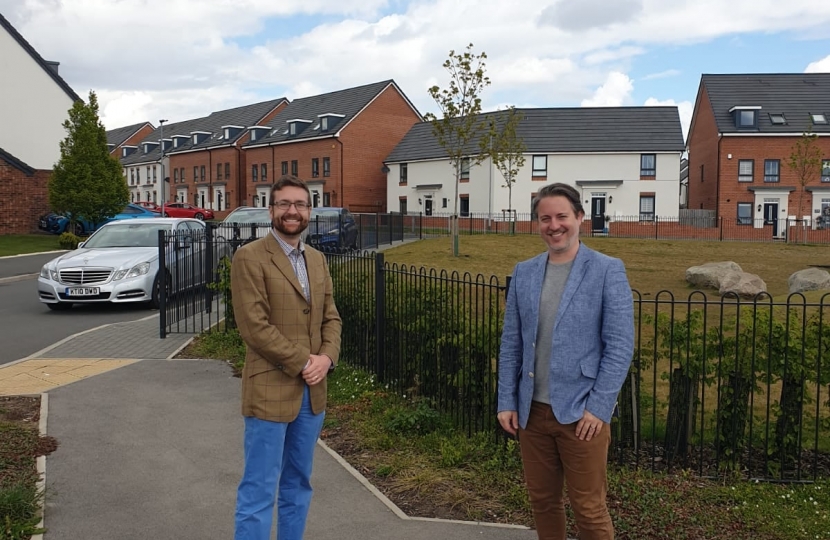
567	344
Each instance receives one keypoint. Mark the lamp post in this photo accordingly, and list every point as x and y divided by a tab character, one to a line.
163	183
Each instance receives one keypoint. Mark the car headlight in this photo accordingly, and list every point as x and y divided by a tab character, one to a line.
135	271
44	272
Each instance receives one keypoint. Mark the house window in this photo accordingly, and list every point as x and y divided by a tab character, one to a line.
154	174
254	172
648	165
264	169
777	119
540	166
292	128
202	173
444	202
465	206
746	169
218	171
771	170
326	166
402	205
404	173
175	176
746	118
284	168
149	176
324	123
825	170
181	175
294	168
744	213
646	207
227	171
315	167
195	174
465	169
818	118
132	176
702	175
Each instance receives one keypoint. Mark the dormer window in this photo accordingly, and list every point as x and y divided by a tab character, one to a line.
818	118
200	136
292	128
324	123
745	116
179	140
329	120
777	119
296	126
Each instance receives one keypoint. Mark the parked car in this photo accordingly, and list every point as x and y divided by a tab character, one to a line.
184	210
245	224
120	263
333	228
149	205
59	223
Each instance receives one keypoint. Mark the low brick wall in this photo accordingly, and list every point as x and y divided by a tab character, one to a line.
23	199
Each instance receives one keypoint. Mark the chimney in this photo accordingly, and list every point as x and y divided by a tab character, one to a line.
53	66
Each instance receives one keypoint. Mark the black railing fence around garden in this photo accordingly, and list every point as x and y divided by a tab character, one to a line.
717	385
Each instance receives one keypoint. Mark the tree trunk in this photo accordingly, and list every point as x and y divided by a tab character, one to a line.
733	408
680	422
788	425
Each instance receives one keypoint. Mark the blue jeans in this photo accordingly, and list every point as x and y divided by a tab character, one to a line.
277	453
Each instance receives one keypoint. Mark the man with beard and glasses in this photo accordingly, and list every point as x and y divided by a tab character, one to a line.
285	312
567	344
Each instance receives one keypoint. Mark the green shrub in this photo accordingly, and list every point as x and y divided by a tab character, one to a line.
419	419
68	240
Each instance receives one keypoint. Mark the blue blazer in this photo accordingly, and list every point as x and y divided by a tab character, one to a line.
593	338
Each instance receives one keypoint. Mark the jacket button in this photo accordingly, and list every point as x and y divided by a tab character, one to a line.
534	344
306	311
530	374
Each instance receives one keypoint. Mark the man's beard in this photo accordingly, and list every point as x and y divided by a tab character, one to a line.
291	230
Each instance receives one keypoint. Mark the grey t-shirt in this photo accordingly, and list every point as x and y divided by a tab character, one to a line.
552	288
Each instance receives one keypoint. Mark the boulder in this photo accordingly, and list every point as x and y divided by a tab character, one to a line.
709	275
744	284
811	279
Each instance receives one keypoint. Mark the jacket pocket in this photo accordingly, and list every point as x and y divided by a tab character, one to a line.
589	370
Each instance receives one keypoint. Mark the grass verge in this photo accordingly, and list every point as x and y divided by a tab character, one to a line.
19	244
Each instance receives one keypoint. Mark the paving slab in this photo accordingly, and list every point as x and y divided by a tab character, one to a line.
28	376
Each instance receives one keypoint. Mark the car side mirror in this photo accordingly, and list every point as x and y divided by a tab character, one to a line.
184	243
81	244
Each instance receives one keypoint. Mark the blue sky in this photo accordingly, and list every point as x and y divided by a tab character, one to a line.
181	59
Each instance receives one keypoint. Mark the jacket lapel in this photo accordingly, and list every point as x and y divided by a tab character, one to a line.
575	277
281	262
535	289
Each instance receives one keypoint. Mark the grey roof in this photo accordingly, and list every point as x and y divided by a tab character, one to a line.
37	58
796	95
119	136
16	163
348	102
554	130
246	116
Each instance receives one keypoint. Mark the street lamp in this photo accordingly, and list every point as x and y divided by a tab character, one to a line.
164	187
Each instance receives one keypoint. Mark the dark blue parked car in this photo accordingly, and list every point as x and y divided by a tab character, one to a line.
57	223
333	228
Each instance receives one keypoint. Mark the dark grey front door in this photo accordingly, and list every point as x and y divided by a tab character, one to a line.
428	207
771	216
597	213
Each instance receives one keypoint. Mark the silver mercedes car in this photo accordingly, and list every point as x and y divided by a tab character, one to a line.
120	263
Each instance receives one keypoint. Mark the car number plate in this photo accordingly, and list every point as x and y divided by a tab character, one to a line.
82	291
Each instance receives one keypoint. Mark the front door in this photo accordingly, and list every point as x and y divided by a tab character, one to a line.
598	213
428	207
771	217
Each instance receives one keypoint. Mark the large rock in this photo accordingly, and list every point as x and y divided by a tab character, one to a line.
811	279
744	284
709	275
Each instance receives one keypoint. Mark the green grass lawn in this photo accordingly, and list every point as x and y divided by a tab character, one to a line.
18	244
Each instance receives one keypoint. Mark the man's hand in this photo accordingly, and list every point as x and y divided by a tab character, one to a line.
316	369
588	427
509	421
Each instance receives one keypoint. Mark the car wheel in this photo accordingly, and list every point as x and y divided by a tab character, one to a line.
155	300
164	214
60	306
79	229
200	216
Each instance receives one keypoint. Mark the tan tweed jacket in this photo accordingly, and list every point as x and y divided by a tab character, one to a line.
280	328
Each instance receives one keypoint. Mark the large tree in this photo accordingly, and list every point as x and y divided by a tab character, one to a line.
87	182
805	162
460	126
506	149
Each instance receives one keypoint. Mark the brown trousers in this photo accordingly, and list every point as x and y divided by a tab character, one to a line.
553	455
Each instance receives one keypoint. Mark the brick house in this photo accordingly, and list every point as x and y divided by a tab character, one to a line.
127	136
625	161
202	158
36	101
336	142
743	131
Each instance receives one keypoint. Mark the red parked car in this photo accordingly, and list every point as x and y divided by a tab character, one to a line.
151	206
184	210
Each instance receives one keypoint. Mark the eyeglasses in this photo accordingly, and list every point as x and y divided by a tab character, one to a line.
285	205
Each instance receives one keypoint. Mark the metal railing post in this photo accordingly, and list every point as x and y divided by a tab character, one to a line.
380	317
162	282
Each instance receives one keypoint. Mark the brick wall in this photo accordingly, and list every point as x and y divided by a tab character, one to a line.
367	141
23	199
133	140
703	153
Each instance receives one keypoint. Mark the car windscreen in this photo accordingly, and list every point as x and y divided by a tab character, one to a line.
325	214
127	235
249	216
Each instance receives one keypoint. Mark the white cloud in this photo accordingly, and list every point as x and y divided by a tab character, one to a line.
662	75
819	66
684	108
615	92
151	59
